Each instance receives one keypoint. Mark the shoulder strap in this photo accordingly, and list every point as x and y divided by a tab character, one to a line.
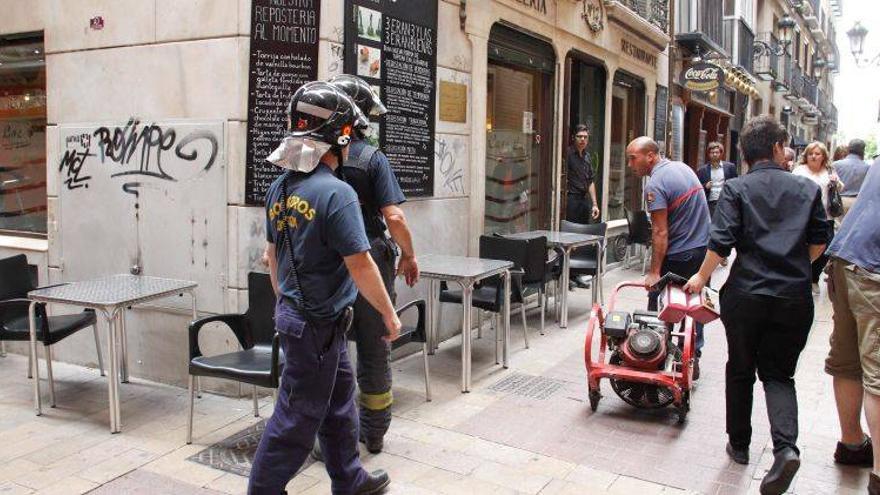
288	242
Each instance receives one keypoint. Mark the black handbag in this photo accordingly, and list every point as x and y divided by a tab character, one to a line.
835	202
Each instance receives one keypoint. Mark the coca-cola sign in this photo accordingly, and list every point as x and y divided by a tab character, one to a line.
703	76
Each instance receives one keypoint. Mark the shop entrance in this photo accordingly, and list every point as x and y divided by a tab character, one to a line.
519	109
627	123
585	94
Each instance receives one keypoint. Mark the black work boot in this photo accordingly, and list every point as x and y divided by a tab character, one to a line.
778	478
739	456
863	456
374	444
376	482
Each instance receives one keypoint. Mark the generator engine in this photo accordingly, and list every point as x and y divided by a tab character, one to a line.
641	340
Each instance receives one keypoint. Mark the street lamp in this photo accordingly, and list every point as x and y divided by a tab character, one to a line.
818	65
785	27
856	37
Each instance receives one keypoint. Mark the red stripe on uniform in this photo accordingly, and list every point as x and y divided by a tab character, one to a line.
681	199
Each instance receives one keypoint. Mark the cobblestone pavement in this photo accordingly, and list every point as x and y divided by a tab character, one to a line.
525	430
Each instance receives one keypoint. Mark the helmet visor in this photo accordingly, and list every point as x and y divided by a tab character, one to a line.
306	118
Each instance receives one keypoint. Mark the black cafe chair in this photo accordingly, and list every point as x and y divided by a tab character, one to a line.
585	260
415	334
16	280
258	363
639	233
488	294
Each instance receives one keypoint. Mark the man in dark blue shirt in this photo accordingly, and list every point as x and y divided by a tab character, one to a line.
776	222
368	171
318	260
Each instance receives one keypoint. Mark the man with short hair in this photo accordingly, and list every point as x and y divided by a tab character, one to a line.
852	171
853	361
713	174
581	207
776	222
679	219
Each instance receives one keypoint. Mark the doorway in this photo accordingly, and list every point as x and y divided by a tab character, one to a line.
627	123
586	105
519	110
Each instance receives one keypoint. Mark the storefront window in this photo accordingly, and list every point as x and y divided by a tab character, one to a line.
519	103
22	135
627	123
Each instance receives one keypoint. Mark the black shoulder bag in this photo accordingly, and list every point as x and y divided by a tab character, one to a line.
835	201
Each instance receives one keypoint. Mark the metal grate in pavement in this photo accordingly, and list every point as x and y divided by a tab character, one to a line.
235	453
533	387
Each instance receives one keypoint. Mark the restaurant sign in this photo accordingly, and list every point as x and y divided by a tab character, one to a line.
703	76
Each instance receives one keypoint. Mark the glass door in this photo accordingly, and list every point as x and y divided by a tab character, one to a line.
518	169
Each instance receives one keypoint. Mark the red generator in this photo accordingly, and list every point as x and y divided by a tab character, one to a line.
648	362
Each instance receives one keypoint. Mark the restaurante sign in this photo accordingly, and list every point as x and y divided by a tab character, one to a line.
702	76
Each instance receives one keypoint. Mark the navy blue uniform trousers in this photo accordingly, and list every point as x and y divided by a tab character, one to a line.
316	398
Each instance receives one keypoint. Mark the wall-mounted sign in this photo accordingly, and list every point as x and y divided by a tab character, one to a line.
537	5
453	102
638	53
661	110
393	45
283	56
702	76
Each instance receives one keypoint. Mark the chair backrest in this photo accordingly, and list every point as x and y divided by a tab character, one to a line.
261	307
639	227
15	277
584	228
530	255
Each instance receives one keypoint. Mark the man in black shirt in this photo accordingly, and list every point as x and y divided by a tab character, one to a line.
580	207
776	222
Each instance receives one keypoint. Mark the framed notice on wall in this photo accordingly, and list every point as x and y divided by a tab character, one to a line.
283	57
393	45
660	115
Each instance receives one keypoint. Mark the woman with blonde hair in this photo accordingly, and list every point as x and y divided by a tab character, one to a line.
815	165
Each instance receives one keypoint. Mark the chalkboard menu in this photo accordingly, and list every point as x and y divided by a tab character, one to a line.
660	113
283	56
393	46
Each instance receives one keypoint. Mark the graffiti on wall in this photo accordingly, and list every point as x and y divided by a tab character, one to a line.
450	153
137	152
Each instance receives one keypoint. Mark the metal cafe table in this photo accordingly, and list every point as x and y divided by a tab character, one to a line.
568	241
110	296
465	271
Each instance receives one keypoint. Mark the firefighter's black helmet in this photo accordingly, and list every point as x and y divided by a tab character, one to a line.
320	111
361	93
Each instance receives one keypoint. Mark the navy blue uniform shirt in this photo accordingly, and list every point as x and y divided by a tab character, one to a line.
771	217
375	184
324	222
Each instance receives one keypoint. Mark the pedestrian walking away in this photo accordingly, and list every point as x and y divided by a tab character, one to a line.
369	173
816	167
852	170
679	219
777	224
853	361
319	259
